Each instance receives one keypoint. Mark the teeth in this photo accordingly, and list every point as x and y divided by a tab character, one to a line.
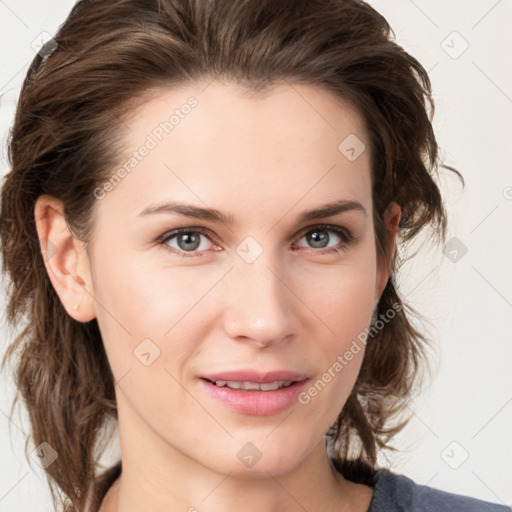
269	386
254	386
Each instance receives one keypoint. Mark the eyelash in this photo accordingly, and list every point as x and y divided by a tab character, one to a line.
346	236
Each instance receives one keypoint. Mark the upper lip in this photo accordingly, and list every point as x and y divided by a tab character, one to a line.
256	376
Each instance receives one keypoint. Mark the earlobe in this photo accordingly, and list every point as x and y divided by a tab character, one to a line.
392	217
65	259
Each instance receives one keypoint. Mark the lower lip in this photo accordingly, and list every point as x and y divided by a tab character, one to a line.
256	403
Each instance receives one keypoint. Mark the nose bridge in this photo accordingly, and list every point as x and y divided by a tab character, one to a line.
260	305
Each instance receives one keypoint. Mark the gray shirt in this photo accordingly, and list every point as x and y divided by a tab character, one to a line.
397	493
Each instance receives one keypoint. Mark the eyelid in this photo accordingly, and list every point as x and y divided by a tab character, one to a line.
192	229
340	230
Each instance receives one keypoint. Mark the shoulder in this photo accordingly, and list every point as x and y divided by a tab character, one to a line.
398	493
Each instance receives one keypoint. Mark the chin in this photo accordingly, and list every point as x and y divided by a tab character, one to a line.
265	454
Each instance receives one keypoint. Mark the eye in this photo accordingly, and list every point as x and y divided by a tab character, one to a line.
189	242
186	242
318	237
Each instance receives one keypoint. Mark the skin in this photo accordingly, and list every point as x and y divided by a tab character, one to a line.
264	160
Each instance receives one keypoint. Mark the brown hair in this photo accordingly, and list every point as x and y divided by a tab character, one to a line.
70	118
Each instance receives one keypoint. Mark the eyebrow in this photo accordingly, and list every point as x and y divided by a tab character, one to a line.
213	215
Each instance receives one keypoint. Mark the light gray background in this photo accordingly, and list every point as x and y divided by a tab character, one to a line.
459	436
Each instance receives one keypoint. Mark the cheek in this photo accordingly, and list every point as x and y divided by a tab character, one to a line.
138	302
342	296
343	302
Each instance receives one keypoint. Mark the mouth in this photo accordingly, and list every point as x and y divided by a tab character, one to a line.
254	393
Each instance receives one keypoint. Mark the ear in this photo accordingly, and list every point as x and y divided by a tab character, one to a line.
392	217
65	258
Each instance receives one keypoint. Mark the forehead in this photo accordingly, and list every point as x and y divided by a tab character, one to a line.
218	140
307	113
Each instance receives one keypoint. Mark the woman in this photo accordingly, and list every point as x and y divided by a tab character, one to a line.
212	192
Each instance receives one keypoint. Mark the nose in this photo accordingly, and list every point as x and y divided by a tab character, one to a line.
259	307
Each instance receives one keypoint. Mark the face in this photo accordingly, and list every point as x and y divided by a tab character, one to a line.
191	306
